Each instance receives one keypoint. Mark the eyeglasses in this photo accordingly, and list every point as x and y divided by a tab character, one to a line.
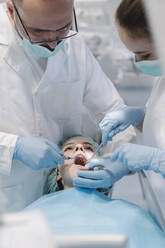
68	31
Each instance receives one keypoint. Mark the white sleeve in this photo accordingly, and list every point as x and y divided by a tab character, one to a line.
7	144
100	96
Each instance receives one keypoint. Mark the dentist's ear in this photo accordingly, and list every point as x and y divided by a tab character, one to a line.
10	11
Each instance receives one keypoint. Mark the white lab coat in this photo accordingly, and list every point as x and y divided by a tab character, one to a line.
154	134
52	108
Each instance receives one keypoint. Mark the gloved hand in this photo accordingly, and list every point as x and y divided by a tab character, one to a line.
119	120
138	157
37	153
103	178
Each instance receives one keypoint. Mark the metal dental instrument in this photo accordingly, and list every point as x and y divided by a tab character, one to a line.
97	150
67	157
94	155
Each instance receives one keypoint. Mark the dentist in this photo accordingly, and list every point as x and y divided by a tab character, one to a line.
48	76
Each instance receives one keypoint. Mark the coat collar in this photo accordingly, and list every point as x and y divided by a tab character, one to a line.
16	57
8	37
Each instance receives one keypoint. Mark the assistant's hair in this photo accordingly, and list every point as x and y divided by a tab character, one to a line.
18	2
131	16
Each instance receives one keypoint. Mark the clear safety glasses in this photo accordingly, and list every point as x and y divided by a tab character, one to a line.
72	146
34	36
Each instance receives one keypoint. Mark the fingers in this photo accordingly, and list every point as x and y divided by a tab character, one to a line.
95	162
111	134
106	127
91	166
107	134
123	127
105	122
57	158
48	162
121	153
55	147
117	130
116	154
97	175
56	153
101	178
111	129
87	183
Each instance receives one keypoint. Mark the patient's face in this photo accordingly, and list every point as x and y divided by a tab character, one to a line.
81	150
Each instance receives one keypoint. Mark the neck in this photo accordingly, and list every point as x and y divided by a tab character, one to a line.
68	186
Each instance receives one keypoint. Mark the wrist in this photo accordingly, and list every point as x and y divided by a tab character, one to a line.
15	154
117	168
158	162
138	115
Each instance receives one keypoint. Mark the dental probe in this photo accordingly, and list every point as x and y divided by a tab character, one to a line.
96	151
67	157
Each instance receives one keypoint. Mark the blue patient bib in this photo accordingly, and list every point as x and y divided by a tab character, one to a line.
84	211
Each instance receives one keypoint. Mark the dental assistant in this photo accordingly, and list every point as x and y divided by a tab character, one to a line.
48	78
134	32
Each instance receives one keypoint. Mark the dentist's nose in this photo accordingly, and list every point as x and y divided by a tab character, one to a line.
138	58
51	45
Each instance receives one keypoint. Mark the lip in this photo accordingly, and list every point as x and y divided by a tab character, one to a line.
82	167
80	154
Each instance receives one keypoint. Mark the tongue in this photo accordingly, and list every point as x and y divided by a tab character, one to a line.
80	159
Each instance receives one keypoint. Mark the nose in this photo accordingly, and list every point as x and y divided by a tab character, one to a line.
51	36
52	45
138	58
79	147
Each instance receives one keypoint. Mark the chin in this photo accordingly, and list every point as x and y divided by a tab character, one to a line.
73	170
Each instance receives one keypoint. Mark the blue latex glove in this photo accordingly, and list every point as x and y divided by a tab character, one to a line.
138	157
103	178
119	120
37	153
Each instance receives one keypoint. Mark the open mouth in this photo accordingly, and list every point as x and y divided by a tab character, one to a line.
80	160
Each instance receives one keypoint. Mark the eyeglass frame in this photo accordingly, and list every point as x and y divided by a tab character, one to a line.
46	41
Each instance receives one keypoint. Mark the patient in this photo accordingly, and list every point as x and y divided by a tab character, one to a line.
80	149
87	211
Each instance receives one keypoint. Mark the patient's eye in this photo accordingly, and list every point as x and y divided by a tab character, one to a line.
68	148
90	148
